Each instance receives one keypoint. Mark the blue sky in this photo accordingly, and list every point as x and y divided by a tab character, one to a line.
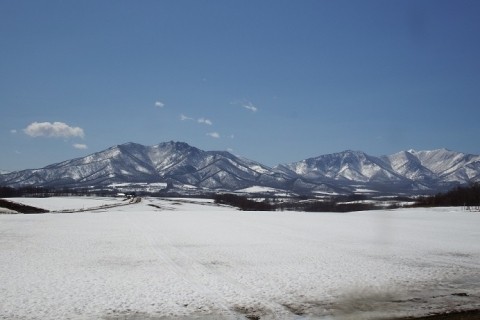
274	81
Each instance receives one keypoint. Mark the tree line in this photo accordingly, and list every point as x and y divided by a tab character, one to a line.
459	196
242	202
300	204
44	192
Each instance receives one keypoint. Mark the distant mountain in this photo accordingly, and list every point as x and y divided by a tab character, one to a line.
345	166
4	172
436	167
406	171
355	171
182	166
175	163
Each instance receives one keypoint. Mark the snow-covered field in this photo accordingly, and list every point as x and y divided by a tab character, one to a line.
195	260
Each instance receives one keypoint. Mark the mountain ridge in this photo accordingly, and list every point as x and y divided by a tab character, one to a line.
183	166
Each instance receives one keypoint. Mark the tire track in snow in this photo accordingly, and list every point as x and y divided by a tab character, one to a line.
183	268
226	290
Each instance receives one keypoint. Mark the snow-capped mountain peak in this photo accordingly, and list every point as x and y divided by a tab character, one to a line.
172	162
347	165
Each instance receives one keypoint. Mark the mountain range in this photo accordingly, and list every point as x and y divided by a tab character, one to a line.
184	167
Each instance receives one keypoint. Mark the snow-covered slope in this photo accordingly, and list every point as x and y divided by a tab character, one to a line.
406	171
407	165
178	162
344	166
450	165
183	166
436	166
174	162
123	163
185	259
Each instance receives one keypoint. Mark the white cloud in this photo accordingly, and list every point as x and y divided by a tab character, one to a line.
13	131
159	104
249	106
185	118
215	135
245	104
80	146
199	120
53	130
205	121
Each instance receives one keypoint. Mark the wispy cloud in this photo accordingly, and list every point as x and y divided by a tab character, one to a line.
215	135
80	146
185	118
205	121
249	106
246	104
13	131
53	130
159	104
199	120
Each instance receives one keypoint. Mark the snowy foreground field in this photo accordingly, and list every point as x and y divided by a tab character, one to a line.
195	260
